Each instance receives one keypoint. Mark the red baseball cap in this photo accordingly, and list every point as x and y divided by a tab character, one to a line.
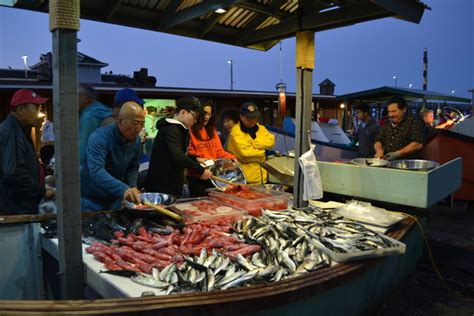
24	96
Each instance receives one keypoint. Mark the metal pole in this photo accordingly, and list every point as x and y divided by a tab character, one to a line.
231	75
25	62
425	76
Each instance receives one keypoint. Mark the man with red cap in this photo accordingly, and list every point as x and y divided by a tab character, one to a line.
21	179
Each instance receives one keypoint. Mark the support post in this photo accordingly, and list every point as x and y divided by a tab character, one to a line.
304	97
64	23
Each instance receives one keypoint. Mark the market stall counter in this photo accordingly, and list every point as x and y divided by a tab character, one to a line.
348	288
420	189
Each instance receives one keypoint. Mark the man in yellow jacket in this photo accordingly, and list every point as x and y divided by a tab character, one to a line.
248	140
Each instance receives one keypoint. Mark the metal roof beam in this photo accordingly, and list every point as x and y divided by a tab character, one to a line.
209	24
406	10
316	22
112	9
255	22
193	12
269	10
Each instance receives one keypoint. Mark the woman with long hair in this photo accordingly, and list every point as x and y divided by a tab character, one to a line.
204	145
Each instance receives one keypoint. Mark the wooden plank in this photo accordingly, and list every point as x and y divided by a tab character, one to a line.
30	218
66	132
268	10
304	88
316	22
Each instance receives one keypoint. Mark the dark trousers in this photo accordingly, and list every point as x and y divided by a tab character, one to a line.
197	187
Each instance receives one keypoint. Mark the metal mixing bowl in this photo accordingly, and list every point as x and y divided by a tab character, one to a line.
229	170
413	164
152	197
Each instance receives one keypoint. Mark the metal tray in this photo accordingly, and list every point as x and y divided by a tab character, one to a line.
399	249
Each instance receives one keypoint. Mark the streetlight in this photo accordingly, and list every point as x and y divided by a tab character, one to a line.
410	85
395	78
25	62
231	62
452	91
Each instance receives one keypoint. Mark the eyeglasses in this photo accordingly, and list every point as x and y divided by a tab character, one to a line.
194	114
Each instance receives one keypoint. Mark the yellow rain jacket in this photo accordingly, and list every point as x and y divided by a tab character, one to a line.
251	151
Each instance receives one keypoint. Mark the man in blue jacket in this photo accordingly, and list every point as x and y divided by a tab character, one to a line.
91	115
21	176
109	173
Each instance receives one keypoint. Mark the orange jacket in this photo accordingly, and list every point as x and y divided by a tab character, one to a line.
207	148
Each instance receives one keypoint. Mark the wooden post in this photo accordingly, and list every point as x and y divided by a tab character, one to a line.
64	28
304	97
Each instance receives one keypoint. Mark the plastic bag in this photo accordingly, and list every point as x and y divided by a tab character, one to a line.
313	187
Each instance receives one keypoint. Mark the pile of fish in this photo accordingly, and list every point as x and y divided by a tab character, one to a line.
206	273
213	256
282	245
317	227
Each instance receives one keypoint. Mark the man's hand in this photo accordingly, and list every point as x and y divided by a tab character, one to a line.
392	156
206	175
132	195
379	154
201	160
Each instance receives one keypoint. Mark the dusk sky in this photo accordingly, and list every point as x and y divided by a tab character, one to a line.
358	57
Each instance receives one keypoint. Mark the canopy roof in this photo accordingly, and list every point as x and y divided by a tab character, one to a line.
384	93
257	24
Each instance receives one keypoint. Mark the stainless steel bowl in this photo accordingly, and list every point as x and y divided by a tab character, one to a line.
276	187
413	164
371	162
152	197
229	170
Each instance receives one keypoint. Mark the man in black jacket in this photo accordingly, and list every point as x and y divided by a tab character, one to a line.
168	156
21	176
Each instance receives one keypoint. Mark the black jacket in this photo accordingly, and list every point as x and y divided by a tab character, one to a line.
366	137
169	159
20	188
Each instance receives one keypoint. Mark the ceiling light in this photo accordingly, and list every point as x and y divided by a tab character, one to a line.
220	11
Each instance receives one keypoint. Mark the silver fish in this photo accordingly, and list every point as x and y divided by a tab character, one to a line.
230	278
222	266
287	261
242	279
147	281
245	263
210	280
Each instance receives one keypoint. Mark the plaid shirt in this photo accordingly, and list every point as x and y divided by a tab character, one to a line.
395	138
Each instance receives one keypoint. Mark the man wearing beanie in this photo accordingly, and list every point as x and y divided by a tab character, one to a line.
122	96
21	176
